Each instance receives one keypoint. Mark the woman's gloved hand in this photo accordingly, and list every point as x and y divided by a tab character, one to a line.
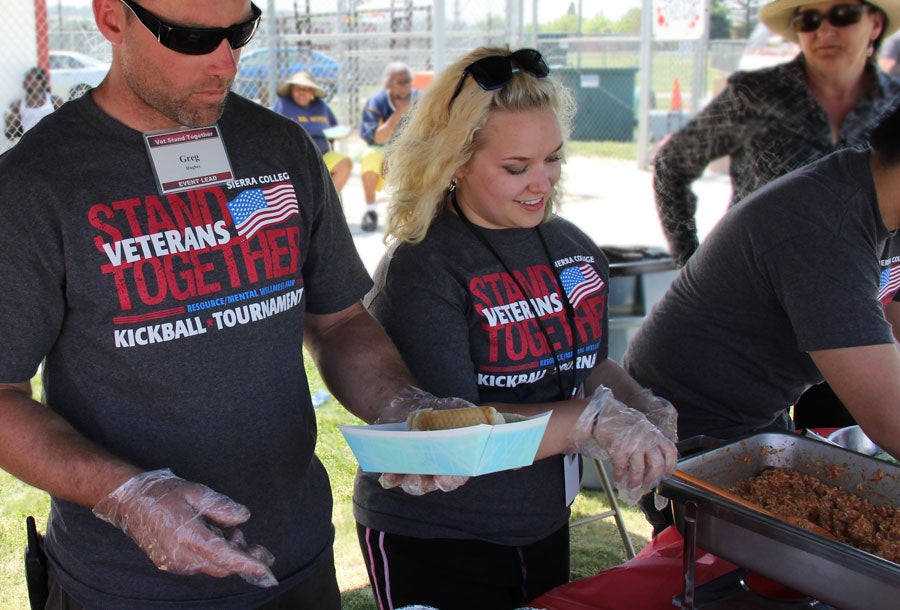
658	410
186	528
411	399
421	484
639	452
406	401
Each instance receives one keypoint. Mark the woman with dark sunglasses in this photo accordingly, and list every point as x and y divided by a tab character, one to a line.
491	297
777	119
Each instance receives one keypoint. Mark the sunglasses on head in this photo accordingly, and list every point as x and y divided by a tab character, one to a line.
840	15
195	41
495	71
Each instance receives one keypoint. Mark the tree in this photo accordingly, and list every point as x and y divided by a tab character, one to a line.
744	15
630	23
719	21
566	23
598	25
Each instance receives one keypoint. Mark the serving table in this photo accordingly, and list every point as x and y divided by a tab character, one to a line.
672	571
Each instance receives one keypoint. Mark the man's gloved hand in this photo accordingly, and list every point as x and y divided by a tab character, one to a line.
639	452
406	401
658	410
186	528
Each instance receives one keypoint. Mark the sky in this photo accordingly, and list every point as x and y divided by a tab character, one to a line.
548	10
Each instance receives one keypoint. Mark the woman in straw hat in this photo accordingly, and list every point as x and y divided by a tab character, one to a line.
777	119
301	99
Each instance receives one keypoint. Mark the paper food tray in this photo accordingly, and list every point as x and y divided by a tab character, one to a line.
467	451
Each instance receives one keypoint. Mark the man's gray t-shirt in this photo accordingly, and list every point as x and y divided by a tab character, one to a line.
796	267
172	328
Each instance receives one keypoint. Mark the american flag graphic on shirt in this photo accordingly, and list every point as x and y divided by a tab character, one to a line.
889	283
255	209
579	282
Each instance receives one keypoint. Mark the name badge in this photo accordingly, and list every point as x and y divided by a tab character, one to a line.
188	158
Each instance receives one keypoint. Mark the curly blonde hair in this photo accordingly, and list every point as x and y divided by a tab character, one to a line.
434	140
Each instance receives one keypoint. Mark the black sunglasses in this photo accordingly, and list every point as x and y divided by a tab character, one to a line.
495	71
195	41
840	16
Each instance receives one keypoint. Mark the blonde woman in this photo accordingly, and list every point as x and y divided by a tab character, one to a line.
491	297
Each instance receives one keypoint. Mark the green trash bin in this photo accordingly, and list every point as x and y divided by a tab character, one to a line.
605	98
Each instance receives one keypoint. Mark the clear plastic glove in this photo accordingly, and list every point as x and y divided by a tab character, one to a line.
406	401
639	452
411	399
658	410
421	484
186	528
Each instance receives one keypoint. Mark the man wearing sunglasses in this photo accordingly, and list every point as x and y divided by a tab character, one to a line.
177	434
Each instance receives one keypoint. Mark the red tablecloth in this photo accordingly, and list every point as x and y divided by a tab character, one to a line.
649	581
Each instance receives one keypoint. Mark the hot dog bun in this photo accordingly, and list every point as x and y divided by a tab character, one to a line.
428	419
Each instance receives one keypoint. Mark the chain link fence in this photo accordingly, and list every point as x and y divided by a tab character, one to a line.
346	44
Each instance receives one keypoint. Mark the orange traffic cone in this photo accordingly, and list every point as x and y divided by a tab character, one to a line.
676	104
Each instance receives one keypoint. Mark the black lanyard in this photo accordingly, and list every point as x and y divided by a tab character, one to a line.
570	311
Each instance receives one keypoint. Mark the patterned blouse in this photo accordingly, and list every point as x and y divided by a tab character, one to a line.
769	122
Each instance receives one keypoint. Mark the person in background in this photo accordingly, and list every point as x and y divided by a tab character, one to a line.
302	99
797	283
777	119
889	55
38	102
380	118
493	298
168	314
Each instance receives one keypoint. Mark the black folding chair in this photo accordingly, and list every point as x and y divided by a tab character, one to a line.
614	510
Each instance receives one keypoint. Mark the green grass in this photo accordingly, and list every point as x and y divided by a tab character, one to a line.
595	545
18	501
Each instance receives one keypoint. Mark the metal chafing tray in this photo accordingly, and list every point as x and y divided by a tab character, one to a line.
819	567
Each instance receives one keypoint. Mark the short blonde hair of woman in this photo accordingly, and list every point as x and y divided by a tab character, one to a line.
435	141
